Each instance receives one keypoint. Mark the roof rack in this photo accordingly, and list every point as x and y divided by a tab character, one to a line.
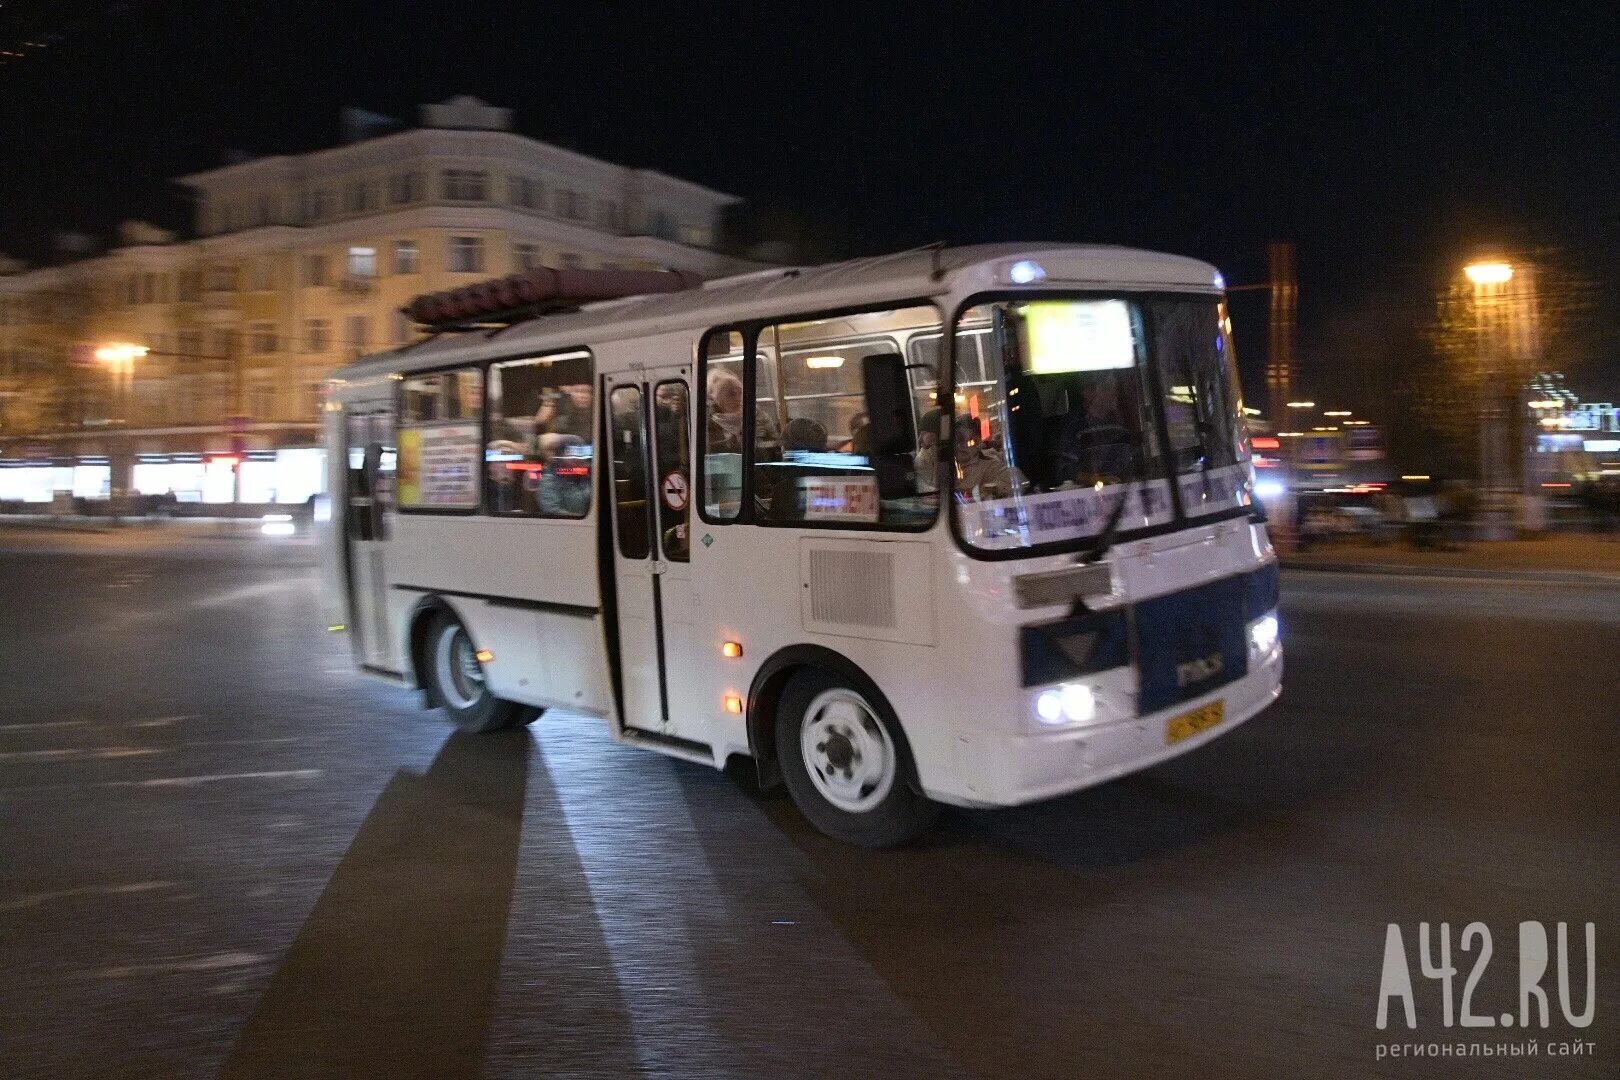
537	293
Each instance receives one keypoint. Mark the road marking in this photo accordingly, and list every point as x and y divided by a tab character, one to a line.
219	962
247	592
32	900
107	753
161	721
190	781
49	725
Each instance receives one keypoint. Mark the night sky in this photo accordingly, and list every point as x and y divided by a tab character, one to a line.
1389	146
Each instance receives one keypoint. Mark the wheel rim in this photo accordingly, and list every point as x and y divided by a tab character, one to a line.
847	751
460	675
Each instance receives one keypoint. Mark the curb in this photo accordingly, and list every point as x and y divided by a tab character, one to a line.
1550	577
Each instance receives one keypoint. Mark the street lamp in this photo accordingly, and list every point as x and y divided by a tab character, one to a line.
1489	278
1489	273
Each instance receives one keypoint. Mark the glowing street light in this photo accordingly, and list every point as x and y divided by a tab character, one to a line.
120	354
1302	404
1489	273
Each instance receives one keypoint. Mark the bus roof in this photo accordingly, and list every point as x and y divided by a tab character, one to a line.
796	290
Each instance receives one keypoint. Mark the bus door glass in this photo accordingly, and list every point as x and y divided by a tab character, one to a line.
368	496
649	424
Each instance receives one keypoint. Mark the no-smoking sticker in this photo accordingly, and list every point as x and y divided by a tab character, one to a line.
674	488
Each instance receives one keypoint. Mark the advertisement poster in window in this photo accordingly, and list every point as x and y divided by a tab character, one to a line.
438	465
847	499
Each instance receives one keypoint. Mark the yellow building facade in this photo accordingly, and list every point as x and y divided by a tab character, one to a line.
300	264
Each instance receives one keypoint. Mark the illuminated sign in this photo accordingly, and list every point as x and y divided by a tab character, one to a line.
1078	335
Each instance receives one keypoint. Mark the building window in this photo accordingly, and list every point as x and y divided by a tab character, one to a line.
149	288
222	345
263	336
222	279
466	185
316	338
356	332
466	254
189	286
263	274
189	344
317	205
359	196
570	204
262	401
363	262
405	257
527	192
315	270
132	289
405	188
312	398
526	256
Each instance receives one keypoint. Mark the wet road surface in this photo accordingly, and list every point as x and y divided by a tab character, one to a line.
224	851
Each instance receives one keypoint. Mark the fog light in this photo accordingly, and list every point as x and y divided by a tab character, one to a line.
1263	634
1049	707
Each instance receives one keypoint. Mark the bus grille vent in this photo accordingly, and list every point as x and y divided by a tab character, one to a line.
852	587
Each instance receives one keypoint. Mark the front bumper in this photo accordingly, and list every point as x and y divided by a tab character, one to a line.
1008	770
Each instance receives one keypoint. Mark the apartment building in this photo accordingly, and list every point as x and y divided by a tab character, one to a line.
300	263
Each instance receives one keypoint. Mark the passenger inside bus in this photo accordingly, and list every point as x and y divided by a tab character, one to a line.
981	472
726	414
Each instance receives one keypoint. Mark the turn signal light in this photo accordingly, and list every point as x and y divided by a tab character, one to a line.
733	704
731	649
337	628
484	656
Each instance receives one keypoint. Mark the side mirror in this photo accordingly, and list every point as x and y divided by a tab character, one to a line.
891	433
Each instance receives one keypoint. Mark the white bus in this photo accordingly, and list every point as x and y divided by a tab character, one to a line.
985	536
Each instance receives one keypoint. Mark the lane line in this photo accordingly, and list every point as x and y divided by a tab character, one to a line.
33	900
218	962
214	778
49	725
105	754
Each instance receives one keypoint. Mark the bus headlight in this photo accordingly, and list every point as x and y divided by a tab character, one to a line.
1263	635
1071	703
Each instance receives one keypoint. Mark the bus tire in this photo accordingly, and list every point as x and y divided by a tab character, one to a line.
846	764
457	682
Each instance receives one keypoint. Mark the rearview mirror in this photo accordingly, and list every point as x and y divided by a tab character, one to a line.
891	433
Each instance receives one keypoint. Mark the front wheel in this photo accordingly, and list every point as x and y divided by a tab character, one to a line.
846	763
458	682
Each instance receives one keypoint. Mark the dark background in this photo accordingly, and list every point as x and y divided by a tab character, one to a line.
1391	145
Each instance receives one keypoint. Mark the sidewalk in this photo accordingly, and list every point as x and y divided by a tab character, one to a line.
1575	558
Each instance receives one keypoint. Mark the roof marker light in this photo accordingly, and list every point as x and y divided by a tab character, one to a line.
1025	271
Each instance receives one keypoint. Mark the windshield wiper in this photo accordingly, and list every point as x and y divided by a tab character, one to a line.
1105	539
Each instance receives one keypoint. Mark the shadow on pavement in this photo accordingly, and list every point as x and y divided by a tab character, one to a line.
396	970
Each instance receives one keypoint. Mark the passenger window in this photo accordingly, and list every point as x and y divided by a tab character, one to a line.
441	418
843	445
538	458
722	439
674	480
633	521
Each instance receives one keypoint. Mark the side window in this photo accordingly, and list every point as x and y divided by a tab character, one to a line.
674	478
722	373
538	457
440	428
632	519
842	446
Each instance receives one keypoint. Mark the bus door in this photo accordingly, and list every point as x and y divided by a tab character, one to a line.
649	420
368	495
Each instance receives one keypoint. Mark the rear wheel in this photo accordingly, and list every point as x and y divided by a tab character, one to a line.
846	763
458	681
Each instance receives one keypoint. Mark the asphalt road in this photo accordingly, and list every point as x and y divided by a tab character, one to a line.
222	850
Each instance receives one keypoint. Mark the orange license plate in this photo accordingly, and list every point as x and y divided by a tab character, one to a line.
1189	724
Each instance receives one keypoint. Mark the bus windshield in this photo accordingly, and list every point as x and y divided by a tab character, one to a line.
1066	439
